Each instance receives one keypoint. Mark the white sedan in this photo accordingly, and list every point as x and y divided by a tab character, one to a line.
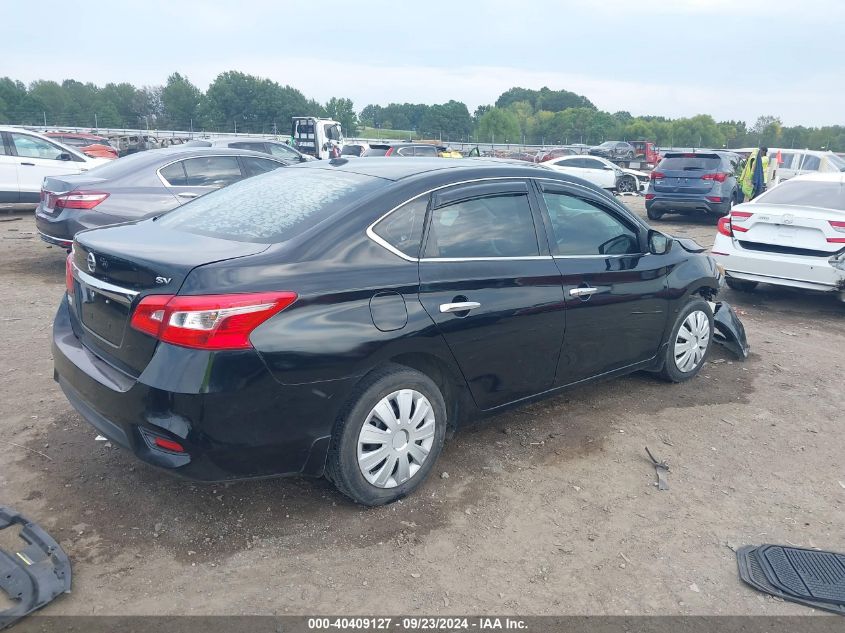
29	158
599	171
792	235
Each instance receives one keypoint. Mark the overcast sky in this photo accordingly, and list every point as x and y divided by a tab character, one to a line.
734	59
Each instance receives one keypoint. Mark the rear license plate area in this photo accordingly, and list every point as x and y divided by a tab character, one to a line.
102	315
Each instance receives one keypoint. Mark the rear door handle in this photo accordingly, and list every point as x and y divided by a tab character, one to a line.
29	164
187	194
582	292
463	306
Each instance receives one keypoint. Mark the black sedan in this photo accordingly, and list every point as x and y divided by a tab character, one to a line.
335	318
139	186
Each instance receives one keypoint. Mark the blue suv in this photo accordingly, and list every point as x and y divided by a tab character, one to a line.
693	182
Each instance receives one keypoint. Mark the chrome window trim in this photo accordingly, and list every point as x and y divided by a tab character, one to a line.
235	156
600	256
386	245
118	293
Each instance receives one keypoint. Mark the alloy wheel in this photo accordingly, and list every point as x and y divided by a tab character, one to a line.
626	185
692	341
396	438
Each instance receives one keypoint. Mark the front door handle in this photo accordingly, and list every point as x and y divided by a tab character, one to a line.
29	164
462	306
582	292
187	194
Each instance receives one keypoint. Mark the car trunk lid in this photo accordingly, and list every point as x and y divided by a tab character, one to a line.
111	275
54	187
789	229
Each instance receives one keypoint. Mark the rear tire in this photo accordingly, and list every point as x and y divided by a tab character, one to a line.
653	214
689	342
405	417
741	285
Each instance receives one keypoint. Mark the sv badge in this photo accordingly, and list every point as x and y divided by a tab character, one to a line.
163	280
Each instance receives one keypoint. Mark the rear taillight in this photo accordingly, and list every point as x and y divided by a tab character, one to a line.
389	152
168	445
839	227
69	273
657	175
713	198
78	200
650	196
208	321
738	217
723	227
720	177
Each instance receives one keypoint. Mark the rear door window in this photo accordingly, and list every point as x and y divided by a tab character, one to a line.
426	150
254	166
212	171
582	228
174	174
493	226
592	163
403	228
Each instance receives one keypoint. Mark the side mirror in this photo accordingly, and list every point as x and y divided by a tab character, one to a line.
658	243
607	168
64	156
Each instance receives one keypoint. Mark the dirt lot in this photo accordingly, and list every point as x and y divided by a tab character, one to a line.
549	509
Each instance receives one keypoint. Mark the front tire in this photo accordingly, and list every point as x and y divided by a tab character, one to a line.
389	438
653	214
689	343
627	184
741	285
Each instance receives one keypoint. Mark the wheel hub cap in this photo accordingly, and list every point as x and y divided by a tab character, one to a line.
396	438
692	341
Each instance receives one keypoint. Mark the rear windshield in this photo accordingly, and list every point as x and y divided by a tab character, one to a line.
690	163
273	207
807	193
352	150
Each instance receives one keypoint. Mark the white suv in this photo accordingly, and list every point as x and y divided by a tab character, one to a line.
26	158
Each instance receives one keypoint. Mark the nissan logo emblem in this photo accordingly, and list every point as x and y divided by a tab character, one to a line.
92	263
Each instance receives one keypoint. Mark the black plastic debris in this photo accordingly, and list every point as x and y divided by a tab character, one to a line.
34	575
729	331
810	577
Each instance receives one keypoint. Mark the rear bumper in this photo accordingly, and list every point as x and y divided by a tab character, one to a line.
687	204
60	229
245	426
795	271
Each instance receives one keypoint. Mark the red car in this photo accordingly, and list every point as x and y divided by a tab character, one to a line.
89	144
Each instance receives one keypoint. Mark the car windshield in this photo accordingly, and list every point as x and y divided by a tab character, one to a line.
807	193
273	207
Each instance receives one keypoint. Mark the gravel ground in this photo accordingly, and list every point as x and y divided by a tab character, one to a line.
548	509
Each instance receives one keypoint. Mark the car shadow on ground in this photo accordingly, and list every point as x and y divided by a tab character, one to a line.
104	501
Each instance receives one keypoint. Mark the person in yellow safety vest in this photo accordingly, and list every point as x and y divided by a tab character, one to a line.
755	174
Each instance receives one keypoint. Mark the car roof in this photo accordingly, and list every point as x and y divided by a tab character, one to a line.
149	157
239	139
400	169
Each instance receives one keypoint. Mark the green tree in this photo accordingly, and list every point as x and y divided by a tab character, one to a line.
499	126
181	102
343	111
